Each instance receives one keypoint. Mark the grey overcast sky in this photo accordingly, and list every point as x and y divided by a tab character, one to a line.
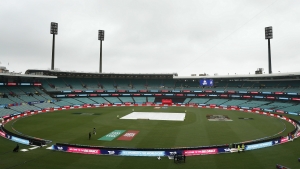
157	36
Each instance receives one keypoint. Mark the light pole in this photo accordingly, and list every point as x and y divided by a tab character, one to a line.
101	38
53	31
269	35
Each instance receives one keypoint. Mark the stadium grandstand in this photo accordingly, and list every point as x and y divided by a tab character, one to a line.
38	90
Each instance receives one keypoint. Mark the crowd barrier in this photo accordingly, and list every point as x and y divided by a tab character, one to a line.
22	139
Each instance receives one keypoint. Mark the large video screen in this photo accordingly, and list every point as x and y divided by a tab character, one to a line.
206	82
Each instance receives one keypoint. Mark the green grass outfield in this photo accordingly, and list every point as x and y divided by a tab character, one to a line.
196	130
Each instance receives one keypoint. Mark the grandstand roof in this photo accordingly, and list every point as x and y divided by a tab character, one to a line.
252	77
249	77
100	75
12	74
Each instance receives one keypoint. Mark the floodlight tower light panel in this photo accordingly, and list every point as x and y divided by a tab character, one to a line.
269	32
101	35
54	28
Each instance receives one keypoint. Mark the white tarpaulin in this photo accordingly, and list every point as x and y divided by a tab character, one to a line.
155	116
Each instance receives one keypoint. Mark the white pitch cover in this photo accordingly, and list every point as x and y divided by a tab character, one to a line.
155	116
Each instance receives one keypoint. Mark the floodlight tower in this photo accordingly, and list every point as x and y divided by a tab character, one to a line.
53	31
101	38
269	35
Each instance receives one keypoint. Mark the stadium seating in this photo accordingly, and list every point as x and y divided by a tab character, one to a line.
86	100
154	84
242	89
257	102
187	100
47	97
151	99
33	94
91	84
5	101
222	84
16	90
276	105
138	84
219	88
43	95
26	98
74	83
126	99
24	107
253	103
99	100
15	99
139	99
113	99
107	84
235	84
199	100
269	84
234	102
23	94
247	84
122	84
235	89
4	112
4	90
169	83
44	105
286	84
187	85
72	101
267	107
254	89
280	105
57	84
269	89
295	109
62	103
47	86
217	101
292	90
41	98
